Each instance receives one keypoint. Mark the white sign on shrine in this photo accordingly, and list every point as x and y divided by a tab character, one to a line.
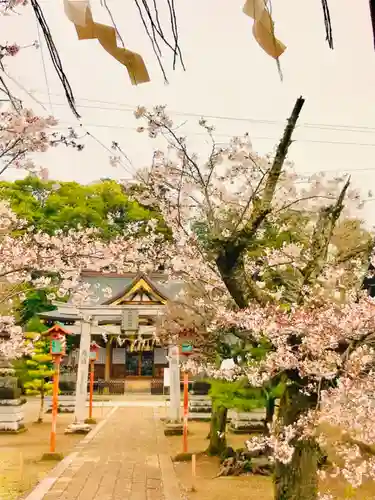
129	320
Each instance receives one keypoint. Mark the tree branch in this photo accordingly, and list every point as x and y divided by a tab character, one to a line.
322	235
230	256
281	152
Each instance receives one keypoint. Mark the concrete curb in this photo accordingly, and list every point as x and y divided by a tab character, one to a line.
171	484
46	484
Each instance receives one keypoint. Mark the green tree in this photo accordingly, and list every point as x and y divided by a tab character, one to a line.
239	395
50	205
36	301
39	370
225	396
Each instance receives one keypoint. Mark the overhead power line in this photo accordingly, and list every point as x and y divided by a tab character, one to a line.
307	173
44	67
130	108
111	152
133	170
268	138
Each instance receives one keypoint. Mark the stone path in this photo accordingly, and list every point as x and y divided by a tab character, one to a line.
127	460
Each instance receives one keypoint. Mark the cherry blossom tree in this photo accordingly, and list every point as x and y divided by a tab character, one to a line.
23	132
38	260
292	290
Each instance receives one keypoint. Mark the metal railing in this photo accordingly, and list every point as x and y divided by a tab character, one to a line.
114	387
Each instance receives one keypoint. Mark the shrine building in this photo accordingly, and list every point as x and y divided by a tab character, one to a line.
127	358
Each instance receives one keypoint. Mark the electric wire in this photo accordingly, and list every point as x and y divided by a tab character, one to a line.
131	108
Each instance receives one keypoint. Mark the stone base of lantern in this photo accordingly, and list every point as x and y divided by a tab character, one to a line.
173	429
52	457
11	404
11	416
247	422
66	404
90	421
78	428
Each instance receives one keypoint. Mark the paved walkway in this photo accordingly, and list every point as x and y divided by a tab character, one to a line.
127	460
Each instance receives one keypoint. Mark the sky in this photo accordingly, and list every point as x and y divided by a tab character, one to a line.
228	78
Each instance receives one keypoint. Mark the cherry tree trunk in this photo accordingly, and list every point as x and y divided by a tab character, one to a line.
218	442
297	480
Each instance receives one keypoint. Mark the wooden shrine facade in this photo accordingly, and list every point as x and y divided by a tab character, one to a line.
122	355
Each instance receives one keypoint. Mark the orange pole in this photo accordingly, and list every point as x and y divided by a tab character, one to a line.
186	406
55	403
91	387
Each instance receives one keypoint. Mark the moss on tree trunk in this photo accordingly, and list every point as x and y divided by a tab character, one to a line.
297	480
218	441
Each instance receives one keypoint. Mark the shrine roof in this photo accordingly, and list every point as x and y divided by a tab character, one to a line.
120	283
59	316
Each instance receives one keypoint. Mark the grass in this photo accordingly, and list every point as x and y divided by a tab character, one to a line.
209	487
21	464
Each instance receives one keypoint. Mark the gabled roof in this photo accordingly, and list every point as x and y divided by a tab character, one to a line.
119	283
57	328
141	289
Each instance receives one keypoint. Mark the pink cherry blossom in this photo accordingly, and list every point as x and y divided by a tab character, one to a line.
318	325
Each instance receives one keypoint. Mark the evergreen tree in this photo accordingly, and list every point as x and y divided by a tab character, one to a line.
49	206
39	370
35	302
226	395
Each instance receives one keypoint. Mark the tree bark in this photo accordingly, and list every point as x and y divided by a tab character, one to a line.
218	441
230	253
232	271
270	411
297	480
41	409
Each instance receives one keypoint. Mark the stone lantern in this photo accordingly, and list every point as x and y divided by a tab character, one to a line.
11	411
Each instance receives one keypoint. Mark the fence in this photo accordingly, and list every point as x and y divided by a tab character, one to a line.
119	387
115	387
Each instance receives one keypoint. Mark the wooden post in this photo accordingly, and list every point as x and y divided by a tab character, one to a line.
139	363
186	410
94	350
193	472
174	386
80	410
91	387
21	468
55	403
107	368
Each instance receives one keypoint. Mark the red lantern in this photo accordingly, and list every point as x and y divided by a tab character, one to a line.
57	335
186	349
94	351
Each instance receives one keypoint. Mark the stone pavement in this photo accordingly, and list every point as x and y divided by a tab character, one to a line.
126	460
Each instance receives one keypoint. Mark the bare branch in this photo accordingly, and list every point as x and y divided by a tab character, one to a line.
230	258
322	235
281	152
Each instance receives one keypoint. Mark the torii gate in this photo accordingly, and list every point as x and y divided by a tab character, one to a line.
89	317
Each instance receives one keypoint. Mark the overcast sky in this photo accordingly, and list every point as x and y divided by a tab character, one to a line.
227	75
